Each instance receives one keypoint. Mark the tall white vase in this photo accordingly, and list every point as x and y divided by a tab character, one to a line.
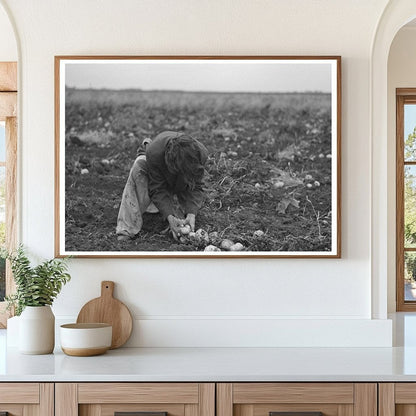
37	330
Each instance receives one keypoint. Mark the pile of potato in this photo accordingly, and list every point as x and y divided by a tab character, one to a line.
209	240
212	241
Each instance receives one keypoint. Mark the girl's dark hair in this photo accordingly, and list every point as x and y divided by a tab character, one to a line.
183	155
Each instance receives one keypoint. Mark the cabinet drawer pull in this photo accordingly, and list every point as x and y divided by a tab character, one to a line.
139	414
295	413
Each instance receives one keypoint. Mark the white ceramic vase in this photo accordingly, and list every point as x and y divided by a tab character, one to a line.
37	330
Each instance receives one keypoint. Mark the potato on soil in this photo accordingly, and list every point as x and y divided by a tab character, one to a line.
258	233
202	235
211	248
226	244
237	247
186	229
278	184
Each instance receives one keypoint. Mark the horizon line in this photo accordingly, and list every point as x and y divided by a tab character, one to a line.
197	91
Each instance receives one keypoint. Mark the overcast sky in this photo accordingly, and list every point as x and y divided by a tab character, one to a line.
232	76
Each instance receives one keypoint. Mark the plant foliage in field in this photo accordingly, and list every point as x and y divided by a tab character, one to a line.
38	285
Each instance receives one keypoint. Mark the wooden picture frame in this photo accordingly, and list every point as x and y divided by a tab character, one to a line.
272	129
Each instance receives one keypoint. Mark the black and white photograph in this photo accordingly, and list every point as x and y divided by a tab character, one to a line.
198	156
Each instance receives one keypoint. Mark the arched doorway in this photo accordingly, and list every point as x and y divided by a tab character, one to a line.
395	16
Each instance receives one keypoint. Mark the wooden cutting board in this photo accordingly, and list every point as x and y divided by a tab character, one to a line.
108	310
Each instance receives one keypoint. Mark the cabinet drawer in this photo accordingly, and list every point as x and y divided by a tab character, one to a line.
146	399
297	399
19	393
138	393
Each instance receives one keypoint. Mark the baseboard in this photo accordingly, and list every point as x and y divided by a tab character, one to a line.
188	332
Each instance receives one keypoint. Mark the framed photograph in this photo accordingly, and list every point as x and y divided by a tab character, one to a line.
208	156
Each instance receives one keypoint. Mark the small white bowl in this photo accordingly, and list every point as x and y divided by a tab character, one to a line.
83	340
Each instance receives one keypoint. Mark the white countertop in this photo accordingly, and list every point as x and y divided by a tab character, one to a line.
215	364
221	364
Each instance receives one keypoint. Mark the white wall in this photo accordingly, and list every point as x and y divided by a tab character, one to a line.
8	47
197	302
401	74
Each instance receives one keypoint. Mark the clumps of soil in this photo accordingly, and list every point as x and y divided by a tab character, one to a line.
267	181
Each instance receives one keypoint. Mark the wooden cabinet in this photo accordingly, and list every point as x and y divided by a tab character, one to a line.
208	399
106	399
297	399
27	399
397	399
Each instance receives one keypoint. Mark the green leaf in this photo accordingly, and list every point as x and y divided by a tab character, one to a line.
35	286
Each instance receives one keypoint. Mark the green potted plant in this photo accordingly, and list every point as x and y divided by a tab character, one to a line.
36	289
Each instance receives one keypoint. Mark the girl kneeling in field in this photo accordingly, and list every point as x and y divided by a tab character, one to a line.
171	164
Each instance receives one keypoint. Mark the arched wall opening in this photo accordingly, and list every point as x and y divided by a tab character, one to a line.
401	73
396	15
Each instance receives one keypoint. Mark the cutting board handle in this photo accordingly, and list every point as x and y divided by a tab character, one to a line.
107	289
